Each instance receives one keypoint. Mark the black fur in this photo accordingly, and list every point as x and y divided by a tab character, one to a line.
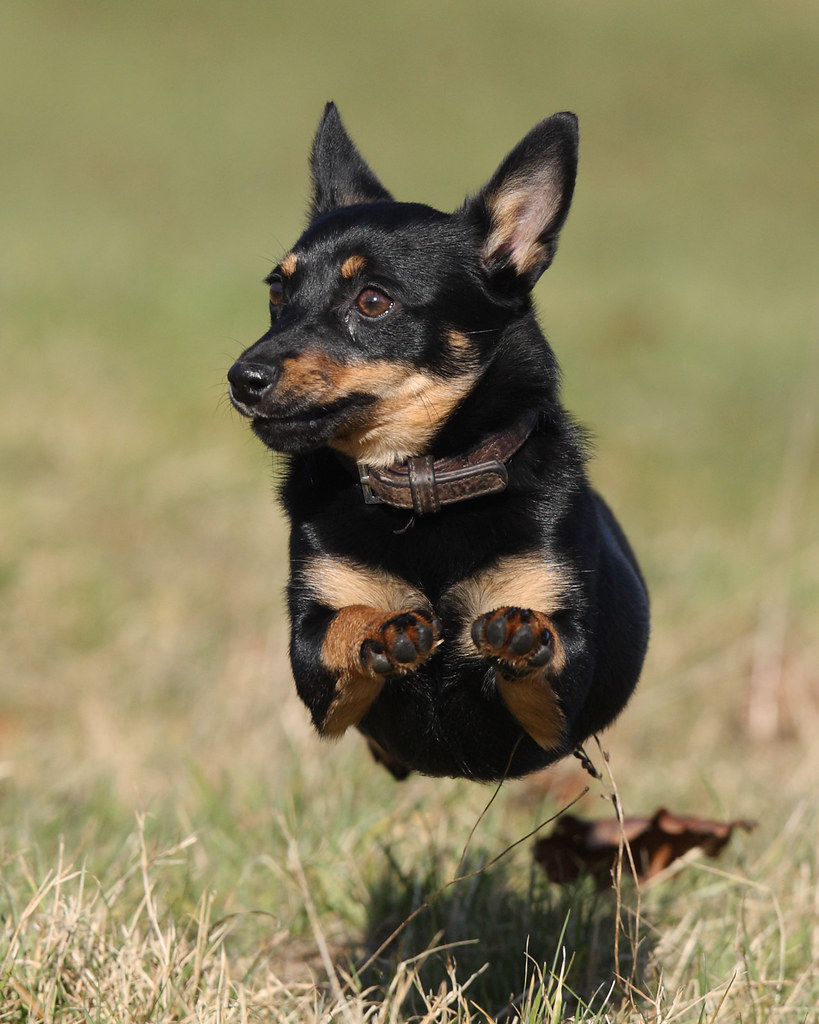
310	386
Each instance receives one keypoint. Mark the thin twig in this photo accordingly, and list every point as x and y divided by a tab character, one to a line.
623	844
464	878
489	803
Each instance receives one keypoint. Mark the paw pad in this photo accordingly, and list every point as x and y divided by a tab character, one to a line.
402	643
518	637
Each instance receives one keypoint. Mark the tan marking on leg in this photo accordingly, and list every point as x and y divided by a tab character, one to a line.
519	581
340	652
288	264
513	617
358	638
532	701
395	767
353	265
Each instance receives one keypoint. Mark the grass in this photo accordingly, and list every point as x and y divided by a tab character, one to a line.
144	941
174	842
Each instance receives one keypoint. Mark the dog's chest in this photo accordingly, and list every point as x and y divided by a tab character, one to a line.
433	553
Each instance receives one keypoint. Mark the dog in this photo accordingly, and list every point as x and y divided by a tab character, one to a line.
457	590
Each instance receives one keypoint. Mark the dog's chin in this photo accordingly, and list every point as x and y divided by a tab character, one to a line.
307	429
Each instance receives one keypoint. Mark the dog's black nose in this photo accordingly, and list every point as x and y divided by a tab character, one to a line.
249	381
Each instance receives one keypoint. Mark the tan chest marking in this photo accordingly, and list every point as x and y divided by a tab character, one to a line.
340	582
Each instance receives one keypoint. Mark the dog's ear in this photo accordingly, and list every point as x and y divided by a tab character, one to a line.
340	175
523	207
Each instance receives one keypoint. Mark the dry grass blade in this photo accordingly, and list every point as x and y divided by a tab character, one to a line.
295	865
73	954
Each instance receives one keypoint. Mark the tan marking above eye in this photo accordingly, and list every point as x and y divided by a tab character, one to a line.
288	264
353	265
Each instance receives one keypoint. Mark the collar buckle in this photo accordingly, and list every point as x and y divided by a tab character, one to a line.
370	497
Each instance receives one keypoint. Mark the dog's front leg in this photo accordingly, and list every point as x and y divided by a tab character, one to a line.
526	651
363	647
353	628
507	613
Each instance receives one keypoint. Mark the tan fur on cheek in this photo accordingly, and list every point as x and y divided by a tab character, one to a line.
405	419
410	406
318	377
461	351
310	376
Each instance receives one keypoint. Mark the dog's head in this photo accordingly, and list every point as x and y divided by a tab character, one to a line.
384	315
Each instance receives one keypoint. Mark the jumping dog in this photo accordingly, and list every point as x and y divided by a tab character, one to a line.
457	590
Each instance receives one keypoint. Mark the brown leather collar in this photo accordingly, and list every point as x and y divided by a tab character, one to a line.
425	484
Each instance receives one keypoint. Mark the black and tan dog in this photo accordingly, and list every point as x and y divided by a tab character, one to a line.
457	591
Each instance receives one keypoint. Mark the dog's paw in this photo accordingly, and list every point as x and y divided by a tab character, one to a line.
400	644
518	640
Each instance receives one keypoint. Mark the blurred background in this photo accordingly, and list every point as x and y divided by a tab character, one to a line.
154	167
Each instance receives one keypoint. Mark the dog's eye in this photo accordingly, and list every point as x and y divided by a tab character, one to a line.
371	302
276	293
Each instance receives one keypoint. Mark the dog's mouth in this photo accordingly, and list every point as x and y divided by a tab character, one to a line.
303	429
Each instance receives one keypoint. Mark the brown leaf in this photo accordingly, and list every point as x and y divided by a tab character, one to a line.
576	846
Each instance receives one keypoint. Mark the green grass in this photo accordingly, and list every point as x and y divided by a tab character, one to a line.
174	841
